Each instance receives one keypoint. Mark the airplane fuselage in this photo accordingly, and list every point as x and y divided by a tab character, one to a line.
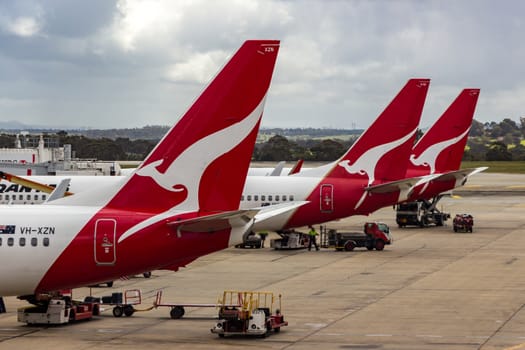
329	198
84	248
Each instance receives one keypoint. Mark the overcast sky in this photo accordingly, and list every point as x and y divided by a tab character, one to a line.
131	63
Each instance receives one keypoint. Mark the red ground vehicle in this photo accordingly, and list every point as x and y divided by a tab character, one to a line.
463	223
375	235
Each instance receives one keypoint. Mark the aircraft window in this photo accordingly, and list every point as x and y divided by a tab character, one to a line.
270	197
291	197
0	241
46	242
249	197
22	241
36	197
34	241
43	197
10	241
1	197
263	197
284	198
242	198
21	197
28	197
277	198
255	197
6	197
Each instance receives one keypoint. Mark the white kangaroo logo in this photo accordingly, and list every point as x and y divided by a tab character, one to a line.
428	157
367	162
198	156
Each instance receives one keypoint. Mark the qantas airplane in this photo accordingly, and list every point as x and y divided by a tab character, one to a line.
441	149
371	175
180	204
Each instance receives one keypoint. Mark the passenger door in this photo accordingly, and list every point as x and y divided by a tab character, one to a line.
327	198
105	244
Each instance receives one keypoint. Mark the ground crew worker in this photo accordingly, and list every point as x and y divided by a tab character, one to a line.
312	234
263	235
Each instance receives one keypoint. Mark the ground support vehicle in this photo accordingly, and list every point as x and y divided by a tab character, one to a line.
177	309
463	223
375	235
290	239
254	316
57	310
123	303
253	240
420	213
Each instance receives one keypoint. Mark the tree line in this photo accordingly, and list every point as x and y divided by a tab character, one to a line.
489	141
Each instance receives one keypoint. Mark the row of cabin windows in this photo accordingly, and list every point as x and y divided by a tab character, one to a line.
269	198
10	241
35	197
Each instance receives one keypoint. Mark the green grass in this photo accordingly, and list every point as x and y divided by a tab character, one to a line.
497	167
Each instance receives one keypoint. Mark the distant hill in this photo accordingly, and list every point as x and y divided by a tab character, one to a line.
11	126
308	133
156	132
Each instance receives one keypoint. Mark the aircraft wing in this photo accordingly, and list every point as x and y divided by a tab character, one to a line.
278	169
29	183
59	191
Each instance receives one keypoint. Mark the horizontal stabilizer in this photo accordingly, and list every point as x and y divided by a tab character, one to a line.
277	209
394	186
459	174
215	222
404	186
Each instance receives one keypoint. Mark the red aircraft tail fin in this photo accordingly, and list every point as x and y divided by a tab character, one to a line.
381	152
441	147
202	162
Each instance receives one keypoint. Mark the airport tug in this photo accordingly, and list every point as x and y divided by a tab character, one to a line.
248	313
57	308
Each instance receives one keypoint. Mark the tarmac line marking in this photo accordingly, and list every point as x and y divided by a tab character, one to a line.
428	336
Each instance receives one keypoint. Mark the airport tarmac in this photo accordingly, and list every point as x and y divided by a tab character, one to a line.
431	289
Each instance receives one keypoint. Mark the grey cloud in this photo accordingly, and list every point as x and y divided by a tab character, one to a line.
340	62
